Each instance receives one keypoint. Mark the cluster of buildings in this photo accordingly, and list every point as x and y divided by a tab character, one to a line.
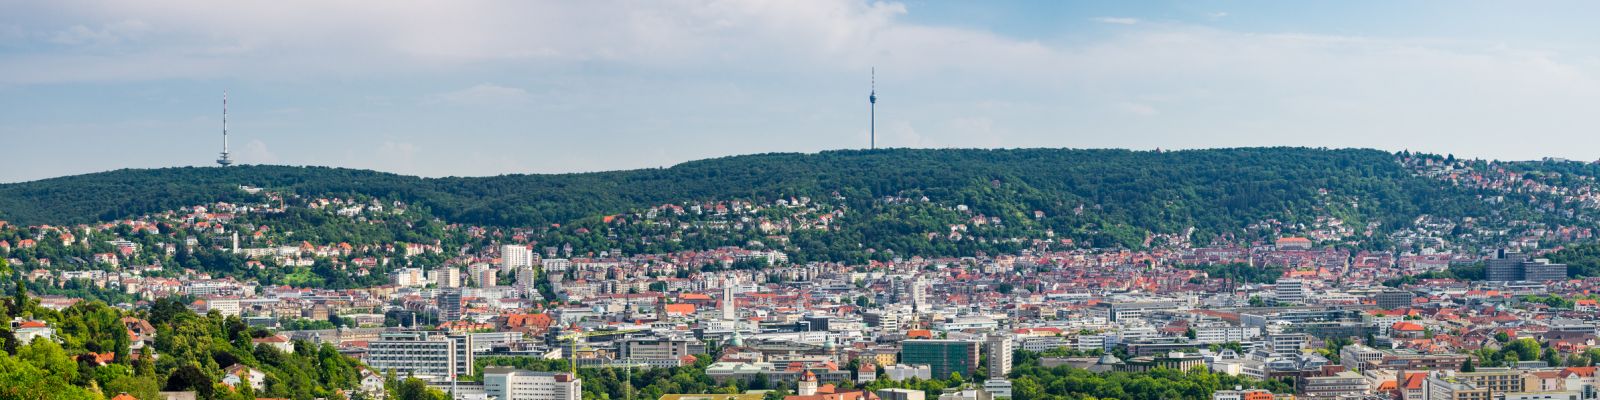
1326	323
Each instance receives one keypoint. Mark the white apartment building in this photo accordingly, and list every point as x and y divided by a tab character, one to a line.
409	277
506	383
427	355
515	256
447	278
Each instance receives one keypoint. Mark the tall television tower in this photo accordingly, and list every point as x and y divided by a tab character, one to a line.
873	99
225	160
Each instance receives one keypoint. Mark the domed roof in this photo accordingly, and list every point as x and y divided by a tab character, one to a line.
808	377
1108	359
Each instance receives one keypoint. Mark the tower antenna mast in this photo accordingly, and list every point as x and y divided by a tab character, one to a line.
225	160
872	129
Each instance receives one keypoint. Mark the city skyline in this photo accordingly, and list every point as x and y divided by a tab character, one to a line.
495	88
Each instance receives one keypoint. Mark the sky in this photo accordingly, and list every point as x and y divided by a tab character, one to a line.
476	88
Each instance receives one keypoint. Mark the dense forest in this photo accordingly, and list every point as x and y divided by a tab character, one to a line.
1098	197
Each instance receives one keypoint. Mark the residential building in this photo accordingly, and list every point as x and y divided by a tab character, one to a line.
513	257
999	348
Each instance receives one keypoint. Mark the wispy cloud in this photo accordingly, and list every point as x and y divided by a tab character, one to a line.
483	94
1117	20
1217	15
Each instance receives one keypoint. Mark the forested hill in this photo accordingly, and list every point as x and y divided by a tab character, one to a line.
1079	191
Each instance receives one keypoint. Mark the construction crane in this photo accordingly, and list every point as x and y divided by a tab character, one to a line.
572	342
572	355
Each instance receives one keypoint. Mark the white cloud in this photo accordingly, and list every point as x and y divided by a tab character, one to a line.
1143	110
108	34
483	95
1117	20
688	71
256	152
1217	15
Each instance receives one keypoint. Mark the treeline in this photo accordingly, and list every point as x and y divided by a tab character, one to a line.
1583	261
1460	272
1096	197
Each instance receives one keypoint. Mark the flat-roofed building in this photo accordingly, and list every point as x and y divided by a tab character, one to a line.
506	383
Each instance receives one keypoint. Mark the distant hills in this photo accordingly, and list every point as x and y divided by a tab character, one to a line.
1107	197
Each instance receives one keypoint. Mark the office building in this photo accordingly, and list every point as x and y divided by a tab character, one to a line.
1356	357
942	357
1286	343
1438	386
427	355
660	352
1125	311
1513	267
1291	291
1393	299
1344	383
506	383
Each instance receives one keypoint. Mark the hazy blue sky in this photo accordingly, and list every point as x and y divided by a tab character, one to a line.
484	88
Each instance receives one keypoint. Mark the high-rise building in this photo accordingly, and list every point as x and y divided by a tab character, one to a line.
487	278
729	313
919	295
1512	267
449	304
1505	267
506	383
515	256
943	357
427	355
527	280
447	277
999	348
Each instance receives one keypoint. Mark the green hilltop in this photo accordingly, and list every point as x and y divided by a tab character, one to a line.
1100	197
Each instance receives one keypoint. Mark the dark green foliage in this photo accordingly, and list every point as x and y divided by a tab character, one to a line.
1583	261
1464	272
1240	273
1097	197
1031	381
